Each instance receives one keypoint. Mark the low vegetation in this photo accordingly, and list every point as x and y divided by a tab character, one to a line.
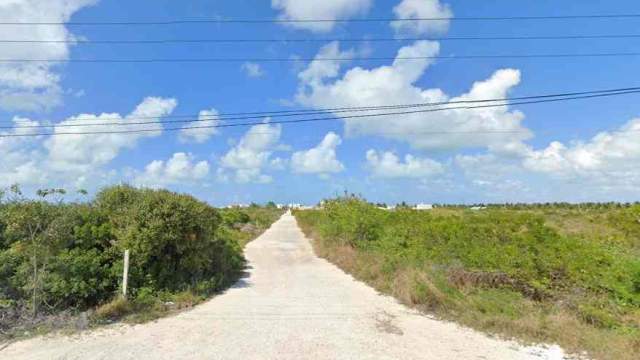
62	262
565	274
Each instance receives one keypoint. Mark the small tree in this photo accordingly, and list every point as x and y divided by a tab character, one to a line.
31	221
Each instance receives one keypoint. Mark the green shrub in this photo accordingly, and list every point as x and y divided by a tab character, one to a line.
492	249
58	256
352	221
174	242
70	255
232	217
79	278
556	272
145	297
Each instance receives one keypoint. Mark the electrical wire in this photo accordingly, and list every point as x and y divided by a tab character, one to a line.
223	60
357	20
290	113
323	40
330	118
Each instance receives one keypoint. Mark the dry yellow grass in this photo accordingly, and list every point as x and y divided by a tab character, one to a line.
114	309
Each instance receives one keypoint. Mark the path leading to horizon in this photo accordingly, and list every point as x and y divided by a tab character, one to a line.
291	305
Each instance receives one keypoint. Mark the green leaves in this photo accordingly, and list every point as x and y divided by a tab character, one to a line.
70	254
352	221
531	257
172	238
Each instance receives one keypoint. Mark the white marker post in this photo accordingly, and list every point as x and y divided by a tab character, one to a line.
125	273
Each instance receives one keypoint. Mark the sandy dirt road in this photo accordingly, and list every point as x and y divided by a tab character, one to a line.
291	305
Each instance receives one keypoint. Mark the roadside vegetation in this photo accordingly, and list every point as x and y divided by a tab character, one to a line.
546	273
61	263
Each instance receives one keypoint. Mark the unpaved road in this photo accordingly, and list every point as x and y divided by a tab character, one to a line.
292	305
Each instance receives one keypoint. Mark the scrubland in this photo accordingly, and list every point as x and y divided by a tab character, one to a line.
566	274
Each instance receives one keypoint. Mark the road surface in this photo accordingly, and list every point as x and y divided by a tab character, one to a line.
291	305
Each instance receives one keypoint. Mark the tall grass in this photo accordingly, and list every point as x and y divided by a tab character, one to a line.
553	275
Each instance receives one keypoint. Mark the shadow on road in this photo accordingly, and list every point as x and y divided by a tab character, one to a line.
242	281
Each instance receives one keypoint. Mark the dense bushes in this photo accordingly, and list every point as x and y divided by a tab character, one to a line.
174	239
42	261
56	256
235	217
502	269
244	224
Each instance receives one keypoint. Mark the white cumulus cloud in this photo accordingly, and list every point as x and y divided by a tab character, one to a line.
322	86
77	159
28	85
320	159
83	152
179	169
389	165
313	75
609	154
20	156
601	168
421	9
327	10
202	130
252	154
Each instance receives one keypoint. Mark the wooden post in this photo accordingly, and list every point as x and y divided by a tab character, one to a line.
35	283
125	273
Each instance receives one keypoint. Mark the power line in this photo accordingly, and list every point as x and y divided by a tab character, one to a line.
323	40
289	113
360	20
222	60
277	113
329	118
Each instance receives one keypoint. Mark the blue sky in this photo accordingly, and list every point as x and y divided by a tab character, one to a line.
573	151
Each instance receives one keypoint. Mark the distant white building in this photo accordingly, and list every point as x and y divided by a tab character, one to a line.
476	208
231	206
424	206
